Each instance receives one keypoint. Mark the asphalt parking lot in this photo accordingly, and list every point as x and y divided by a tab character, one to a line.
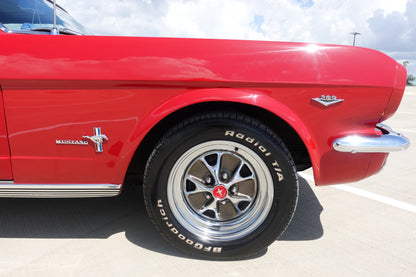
362	229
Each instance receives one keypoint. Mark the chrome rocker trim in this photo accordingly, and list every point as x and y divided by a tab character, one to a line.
9	189
390	141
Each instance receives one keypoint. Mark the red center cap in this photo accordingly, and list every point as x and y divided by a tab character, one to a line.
219	192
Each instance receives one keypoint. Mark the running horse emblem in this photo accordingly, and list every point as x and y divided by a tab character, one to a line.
98	139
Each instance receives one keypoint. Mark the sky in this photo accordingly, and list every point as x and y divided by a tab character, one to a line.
385	25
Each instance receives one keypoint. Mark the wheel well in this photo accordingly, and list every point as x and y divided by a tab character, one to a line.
289	136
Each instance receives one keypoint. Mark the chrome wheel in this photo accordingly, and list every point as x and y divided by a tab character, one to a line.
220	190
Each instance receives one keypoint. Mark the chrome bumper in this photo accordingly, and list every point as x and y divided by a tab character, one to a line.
390	141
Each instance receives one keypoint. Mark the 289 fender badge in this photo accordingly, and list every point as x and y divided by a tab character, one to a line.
328	100
97	139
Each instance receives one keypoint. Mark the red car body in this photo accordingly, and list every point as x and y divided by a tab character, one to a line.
61	87
215	130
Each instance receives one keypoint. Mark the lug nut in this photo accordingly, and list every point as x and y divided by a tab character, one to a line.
225	176
208	180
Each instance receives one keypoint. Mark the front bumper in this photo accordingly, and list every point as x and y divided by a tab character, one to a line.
388	142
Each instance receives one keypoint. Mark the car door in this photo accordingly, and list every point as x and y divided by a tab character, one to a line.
5	168
53	109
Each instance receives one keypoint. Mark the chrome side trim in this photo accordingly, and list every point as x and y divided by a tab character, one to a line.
9	189
388	142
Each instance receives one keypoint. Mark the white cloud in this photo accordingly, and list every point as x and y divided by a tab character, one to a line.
386	25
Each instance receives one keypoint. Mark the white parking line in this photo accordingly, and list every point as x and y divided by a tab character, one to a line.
405	130
412	113
383	199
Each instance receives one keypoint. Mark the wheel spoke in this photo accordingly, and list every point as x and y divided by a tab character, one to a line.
243	194
235	199
237	177
215	169
218	166
212	206
247	188
199	195
200	185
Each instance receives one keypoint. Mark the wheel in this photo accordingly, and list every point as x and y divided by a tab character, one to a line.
220	186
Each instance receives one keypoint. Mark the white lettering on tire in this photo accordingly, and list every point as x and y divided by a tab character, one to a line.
198	246
257	144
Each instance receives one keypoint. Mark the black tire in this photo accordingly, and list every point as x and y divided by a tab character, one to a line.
220	186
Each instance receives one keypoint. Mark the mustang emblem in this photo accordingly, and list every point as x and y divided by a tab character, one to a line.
219	192
68	141
98	139
327	100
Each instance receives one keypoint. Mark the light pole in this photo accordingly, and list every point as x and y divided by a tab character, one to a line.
354	34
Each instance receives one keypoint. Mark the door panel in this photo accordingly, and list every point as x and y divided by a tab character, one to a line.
5	168
41	117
